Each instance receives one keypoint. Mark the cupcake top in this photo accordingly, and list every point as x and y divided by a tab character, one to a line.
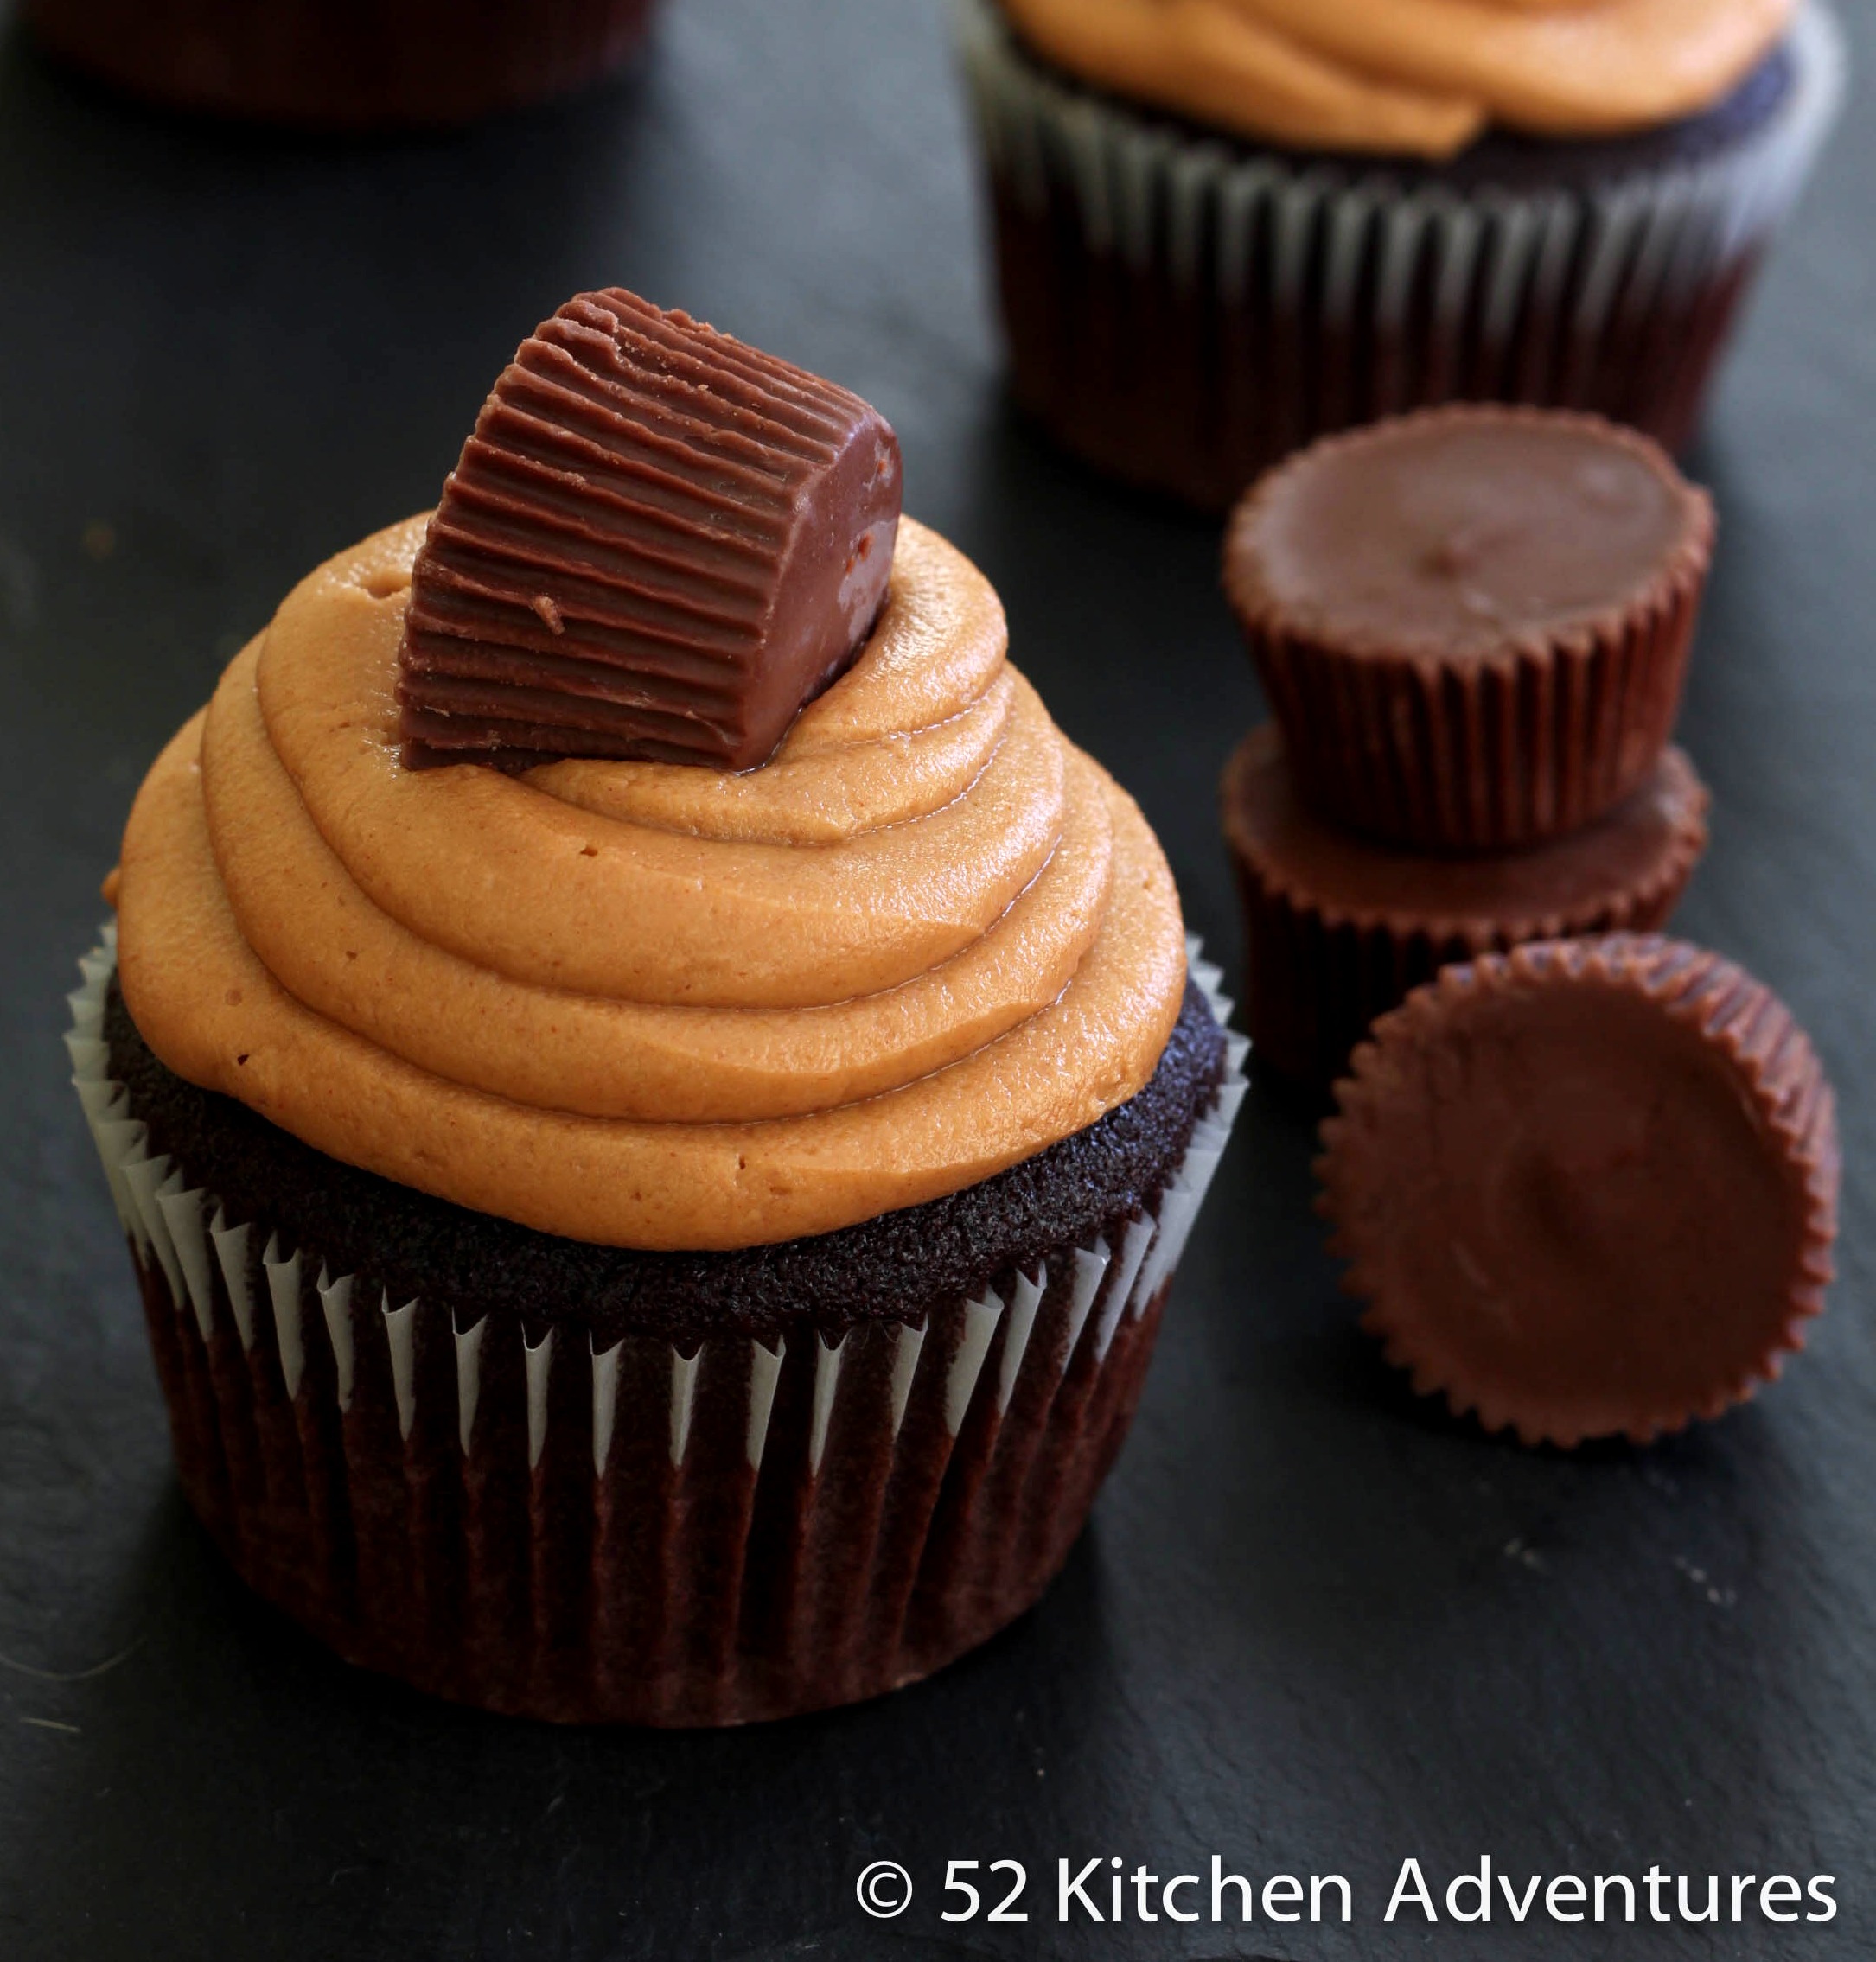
1588	1188
1459	534
643	1002
1414	77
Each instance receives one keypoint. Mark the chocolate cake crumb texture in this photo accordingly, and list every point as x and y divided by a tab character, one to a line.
895	1267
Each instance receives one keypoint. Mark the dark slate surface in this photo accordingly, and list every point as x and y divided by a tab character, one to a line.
1317	1627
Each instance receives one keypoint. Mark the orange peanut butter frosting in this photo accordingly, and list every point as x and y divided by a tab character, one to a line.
647	1003
1413	77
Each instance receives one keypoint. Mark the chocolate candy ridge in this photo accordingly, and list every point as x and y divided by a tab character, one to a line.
658	544
1626	1149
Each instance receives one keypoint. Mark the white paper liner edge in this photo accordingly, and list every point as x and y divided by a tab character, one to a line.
1145	189
182	1232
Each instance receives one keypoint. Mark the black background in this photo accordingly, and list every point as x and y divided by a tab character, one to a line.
1316	1625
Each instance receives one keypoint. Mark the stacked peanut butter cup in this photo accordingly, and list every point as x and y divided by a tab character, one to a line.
1585	1177
1472	627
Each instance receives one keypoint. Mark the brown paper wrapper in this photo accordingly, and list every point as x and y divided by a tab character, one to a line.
1480	755
1568	1379
1181	312
1322	964
498	1515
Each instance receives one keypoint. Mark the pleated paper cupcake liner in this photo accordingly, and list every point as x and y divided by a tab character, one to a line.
500	1514
1181	312
1485	756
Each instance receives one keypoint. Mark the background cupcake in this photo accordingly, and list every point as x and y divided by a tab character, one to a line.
637	1239
1226	228
343	63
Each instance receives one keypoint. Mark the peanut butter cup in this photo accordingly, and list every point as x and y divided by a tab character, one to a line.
1338	929
1472	624
1588	1189
658	543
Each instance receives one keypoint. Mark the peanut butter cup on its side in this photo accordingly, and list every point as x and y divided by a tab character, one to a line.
1587	1188
1473	623
658	544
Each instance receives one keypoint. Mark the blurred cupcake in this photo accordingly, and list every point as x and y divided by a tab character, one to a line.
342	64
1224	228
653	1202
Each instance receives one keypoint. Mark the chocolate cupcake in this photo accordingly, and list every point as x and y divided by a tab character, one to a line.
367	64
1589	1189
1473	623
673	1233
1226	228
1338	929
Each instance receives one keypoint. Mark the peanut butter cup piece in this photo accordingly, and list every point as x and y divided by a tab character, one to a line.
1588	1189
1472	623
1338	929
659	543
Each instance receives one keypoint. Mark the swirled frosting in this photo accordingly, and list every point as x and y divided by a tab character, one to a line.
651	1004
1414	77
